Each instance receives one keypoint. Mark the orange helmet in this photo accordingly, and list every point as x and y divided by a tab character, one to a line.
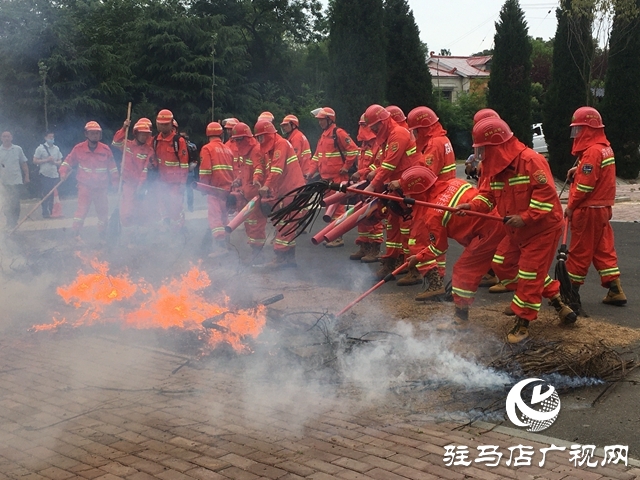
485	113
141	127
290	119
92	127
262	127
375	114
214	129
491	131
396	113
324	112
145	120
417	179
229	123
587	116
266	116
421	117
164	116
241	130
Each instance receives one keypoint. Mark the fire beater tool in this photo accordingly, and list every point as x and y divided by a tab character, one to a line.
568	295
391	276
306	202
115	227
35	207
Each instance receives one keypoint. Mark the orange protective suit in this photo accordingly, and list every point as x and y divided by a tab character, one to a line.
591	197
252	167
134	174
436	151
398	152
173	170
96	168
431	229
520	183
282	174
216	169
301	146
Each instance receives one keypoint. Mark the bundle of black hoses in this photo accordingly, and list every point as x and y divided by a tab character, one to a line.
301	207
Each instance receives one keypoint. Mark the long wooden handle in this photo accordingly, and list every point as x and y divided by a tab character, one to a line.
35	207
124	151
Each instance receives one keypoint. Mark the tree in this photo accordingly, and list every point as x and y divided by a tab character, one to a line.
510	79
357	61
621	104
566	93
408	76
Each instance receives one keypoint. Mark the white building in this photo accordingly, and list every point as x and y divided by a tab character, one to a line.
454	75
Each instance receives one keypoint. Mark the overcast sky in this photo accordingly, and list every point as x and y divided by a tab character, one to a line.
468	26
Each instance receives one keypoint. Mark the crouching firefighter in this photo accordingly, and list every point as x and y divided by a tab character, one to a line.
431	228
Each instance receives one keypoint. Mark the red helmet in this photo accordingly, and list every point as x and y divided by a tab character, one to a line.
241	130
421	117
214	129
92	127
587	116
417	179
396	113
290	119
375	114
485	113
263	127
164	116
142	127
266	116
325	112
491	131
229	123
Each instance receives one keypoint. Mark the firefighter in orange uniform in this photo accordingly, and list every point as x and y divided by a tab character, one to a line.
591	197
431	229
227	125
96	168
398	152
433	145
521	187
170	150
282	174
291	131
216	169
252	167
335	154
370	231
134	170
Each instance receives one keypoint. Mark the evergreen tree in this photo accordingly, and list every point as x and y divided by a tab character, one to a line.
356	58
571	64
408	76
510	80
621	104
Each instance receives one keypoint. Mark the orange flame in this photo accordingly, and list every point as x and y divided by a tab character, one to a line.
176	304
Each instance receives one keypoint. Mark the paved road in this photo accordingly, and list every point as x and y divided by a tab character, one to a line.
98	404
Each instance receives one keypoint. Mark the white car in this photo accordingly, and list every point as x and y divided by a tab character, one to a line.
539	143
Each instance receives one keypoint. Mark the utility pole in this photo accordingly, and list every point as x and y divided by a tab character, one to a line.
43	70
213	73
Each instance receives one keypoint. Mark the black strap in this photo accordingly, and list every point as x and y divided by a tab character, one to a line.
45	147
336	144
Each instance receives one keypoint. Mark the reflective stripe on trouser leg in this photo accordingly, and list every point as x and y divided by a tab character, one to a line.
535	259
474	263
217	216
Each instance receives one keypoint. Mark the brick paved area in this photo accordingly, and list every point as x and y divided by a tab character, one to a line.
74	406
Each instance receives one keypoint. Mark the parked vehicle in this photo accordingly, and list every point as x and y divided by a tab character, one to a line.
539	143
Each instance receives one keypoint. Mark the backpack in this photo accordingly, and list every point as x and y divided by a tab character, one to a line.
336	144
192	151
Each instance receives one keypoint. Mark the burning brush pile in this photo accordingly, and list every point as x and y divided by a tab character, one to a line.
179	304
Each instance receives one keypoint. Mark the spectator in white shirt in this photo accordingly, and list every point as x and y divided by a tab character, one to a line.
13	174
48	157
